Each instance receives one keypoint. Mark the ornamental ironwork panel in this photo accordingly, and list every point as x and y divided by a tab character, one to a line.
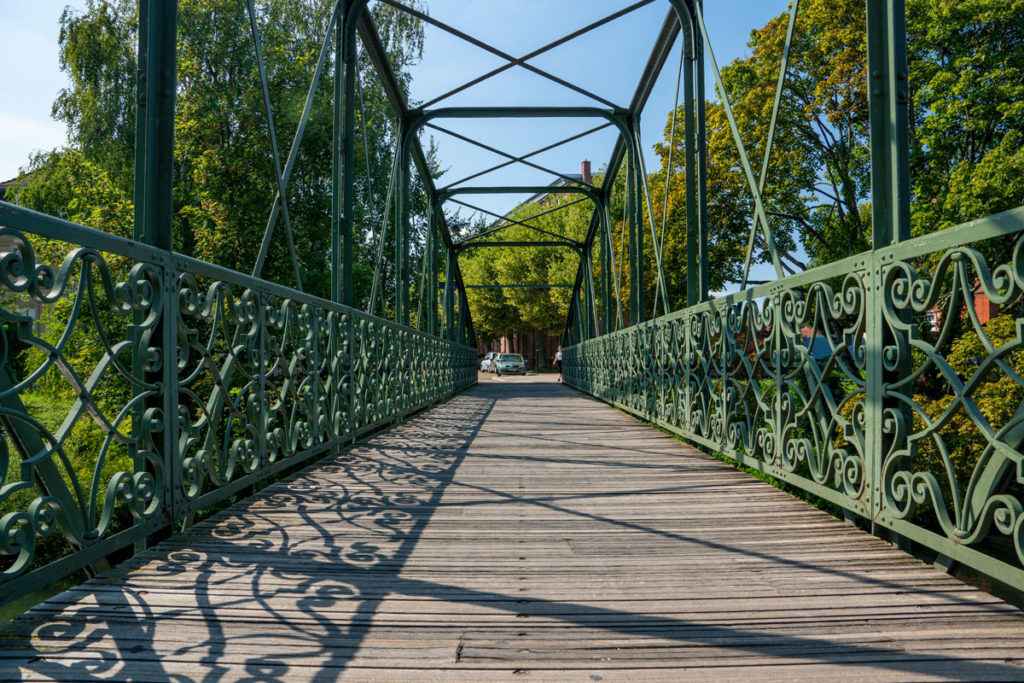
874	383
169	385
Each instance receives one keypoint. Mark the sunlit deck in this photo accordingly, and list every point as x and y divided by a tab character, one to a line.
521	530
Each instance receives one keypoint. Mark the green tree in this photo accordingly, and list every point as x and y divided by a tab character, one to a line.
224	178
965	59
497	312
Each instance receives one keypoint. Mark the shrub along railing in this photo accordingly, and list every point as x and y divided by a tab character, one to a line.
872	383
161	385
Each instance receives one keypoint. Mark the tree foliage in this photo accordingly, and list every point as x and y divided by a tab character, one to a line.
497	312
224	185
965	61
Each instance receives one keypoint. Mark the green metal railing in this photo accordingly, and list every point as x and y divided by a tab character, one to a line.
172	384
241	379
812	379
873	383
202	382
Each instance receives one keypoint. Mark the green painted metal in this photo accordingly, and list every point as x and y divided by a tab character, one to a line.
509	222
693	244
262	377
748	172
280	201
234	378
378	269
343	148
661	292
770	140
522	158
811	378
519	243
519	286
272	134
737	375
402	217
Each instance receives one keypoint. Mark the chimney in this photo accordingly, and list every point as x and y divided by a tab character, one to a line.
585	171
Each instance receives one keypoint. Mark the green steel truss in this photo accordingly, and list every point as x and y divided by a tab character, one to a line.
227	379
811	378
234	378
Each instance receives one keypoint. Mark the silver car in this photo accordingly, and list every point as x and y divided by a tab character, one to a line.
510	364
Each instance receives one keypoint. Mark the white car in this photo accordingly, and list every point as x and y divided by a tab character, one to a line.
485	362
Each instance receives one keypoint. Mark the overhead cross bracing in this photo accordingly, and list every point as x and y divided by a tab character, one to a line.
886	384
622	117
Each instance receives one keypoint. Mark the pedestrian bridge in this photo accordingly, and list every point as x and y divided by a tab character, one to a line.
522	529
218	475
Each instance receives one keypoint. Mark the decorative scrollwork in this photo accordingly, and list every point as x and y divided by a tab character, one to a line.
121	413
73	409
775	383
899	371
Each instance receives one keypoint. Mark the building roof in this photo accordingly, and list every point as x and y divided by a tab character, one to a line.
18	181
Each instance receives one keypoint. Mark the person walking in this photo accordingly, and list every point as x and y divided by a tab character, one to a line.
558	363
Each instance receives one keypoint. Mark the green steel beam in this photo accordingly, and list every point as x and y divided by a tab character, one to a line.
888	110
462	246
519	286
589	191
693	294
511	221
522	158
271	129
154	150
394	91
402	229
343	156
741	149
300	131
511	157
701	144
154	218
770	139
487	47
678	15
539	51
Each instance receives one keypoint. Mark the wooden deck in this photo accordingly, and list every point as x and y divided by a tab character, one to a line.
520	532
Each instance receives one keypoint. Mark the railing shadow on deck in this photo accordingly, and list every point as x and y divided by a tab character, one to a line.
291	577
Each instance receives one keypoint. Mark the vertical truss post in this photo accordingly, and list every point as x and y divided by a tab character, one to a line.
702	165
888	109
887	356
402	216
585	293
343	153
695	150
634	204
461	302
578	333
430	253
690	166
154	151
607	274
449	288
154	216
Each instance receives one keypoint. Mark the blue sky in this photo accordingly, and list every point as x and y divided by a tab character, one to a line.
607	61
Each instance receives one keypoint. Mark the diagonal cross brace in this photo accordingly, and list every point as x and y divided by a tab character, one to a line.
294	151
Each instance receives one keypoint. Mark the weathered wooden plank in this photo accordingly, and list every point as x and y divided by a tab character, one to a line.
520	530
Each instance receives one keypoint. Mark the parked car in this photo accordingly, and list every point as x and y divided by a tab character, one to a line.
509	364
485	362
